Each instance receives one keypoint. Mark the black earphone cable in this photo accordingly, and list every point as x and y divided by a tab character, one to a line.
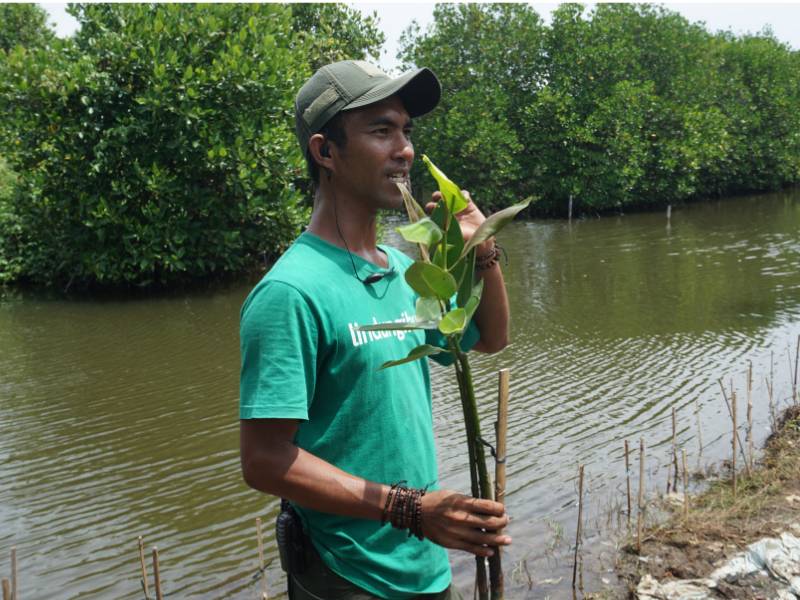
370	279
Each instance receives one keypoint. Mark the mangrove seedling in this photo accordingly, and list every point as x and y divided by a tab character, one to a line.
449	293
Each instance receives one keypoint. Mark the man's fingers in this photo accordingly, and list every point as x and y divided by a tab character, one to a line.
429	207
484	538
483	506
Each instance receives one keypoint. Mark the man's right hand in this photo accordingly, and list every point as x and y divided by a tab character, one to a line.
461	522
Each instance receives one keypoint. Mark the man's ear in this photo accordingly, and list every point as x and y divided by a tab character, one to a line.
320	150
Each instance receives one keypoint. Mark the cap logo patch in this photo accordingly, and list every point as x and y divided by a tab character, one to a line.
318	106
369	69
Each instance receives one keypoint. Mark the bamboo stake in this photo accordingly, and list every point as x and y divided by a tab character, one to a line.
628	483
685	486
674	449
773	416
579	528
6	589
794	381
157	574
699	429
144	569
496	581
264	595
733	458
741	447
750	414
14	573
641	497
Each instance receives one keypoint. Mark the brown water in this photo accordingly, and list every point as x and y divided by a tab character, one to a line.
119	418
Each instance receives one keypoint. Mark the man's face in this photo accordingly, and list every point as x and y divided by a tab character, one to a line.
377	155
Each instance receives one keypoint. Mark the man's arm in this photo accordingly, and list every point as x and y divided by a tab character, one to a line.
272	464
492	314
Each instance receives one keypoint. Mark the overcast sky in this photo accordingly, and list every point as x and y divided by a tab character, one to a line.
395	17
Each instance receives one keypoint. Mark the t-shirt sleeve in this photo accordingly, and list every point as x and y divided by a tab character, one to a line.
278	336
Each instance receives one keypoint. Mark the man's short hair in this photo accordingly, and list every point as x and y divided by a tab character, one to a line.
352	84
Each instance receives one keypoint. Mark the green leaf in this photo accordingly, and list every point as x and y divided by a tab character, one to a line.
400	325
453	322
474	299
428	309
450	191
468	275
415	354
429	280
414	210
494	224
423	231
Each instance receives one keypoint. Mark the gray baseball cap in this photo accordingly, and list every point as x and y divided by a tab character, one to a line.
351	84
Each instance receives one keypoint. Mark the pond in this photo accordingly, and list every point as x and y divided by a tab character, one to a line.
118	418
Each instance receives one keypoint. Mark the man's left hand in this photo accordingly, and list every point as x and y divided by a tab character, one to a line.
469	219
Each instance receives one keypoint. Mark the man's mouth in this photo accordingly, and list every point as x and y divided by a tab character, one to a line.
400	177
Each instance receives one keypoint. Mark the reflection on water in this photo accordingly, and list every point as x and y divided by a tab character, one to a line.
118	419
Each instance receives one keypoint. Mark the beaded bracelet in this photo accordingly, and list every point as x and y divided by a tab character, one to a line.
490	259
403	509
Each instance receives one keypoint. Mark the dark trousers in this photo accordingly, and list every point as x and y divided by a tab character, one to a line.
318	582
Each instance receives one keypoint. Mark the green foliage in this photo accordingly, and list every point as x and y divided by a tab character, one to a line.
333	32
450	274
9	225
23	25
158	145
630	105
487	58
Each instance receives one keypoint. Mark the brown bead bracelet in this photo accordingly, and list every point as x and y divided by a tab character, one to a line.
488	260
403	509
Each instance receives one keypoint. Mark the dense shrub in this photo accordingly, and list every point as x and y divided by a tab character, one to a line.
630	105
23	25
158	144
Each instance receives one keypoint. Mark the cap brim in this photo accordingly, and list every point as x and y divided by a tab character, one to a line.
419	90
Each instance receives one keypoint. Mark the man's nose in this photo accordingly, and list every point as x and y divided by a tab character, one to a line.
405	150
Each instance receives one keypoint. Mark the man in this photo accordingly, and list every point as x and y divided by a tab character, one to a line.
351	446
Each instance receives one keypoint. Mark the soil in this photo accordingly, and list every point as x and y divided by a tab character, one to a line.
721	524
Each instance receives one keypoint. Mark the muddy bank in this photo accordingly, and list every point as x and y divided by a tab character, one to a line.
721	525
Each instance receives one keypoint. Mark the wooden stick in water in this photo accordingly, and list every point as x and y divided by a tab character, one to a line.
685	485
264	595
157	574
750	415
14	573
699	430
674	450
728	404
733	458
795	399
579	528
6	589
641	497
628	483
144	569
773	417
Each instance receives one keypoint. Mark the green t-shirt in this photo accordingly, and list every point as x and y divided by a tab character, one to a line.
302	358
